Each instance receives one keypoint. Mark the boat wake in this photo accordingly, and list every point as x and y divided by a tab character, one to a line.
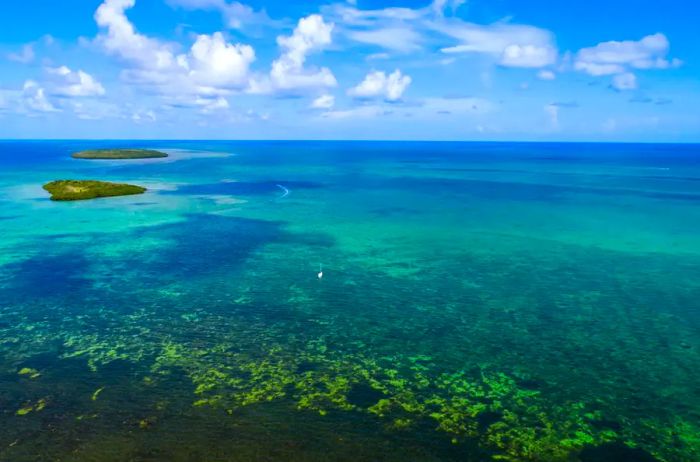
285	191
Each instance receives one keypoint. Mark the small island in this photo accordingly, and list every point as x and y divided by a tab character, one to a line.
76	190
113	154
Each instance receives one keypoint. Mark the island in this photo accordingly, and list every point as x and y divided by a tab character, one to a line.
76	190
113	154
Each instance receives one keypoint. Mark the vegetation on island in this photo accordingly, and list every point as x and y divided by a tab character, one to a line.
119	154
74	190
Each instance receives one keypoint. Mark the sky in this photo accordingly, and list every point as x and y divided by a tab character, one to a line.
535	70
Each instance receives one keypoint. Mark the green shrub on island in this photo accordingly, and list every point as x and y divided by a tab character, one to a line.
119	154
75	190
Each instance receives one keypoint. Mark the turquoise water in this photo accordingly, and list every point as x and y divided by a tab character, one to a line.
518	302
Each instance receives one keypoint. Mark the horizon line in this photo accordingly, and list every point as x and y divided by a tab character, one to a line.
338	140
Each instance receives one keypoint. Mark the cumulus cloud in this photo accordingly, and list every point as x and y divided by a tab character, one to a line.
616	57
624	82
378	84
211	67
288	72
25	56
213	62
75	83
34	98
514	45
122	39
323	102
528	56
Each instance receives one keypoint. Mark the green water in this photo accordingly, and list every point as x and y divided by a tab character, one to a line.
517	302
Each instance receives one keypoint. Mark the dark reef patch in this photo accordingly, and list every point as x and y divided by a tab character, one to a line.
46	275
363	395
486	419
223	243
615	452
604	424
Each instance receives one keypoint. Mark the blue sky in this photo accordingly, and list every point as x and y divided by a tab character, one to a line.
447	70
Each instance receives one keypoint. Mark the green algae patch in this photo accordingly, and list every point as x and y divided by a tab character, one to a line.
96	394
75	190
36	407
29	373
116	154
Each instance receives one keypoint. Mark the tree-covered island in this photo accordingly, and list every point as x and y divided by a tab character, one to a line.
112	154
75	190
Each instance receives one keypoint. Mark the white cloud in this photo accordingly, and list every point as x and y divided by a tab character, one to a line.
376	56
439	6
405	30
34	98
514	45
236	15
122	39
623	82
400	39
552	111
144	116
425	109
528	56
209	105
615	57
546	75
460	105
597	70
378	84
394	29
25	56
362	112
211	67
215	63
323	102
352	16
288	72
75	83
95	109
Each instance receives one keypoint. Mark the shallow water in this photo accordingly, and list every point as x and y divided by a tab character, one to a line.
520	302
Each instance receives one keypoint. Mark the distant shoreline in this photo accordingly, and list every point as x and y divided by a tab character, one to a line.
118	154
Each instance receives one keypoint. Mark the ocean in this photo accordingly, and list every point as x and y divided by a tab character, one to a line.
479	301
